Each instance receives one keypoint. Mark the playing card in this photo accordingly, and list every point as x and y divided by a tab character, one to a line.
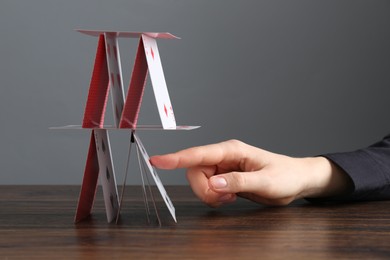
158	82
106	173
156	179
136	89
98	90
139	127
161	35
90	179
115	75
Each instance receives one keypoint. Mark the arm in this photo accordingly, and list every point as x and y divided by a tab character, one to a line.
369	169
219	172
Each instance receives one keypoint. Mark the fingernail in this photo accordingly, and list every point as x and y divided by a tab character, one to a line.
218	182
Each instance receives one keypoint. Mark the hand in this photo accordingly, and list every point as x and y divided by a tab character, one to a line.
219	172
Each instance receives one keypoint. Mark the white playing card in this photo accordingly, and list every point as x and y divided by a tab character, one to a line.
106	173
156	179
158	81
115	75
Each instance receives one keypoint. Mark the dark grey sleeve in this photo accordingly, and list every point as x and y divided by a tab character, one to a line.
369	169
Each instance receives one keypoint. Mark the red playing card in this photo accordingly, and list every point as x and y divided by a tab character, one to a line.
136	89
90	181
98	90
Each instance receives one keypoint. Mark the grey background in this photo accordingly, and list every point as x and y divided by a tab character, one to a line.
295	77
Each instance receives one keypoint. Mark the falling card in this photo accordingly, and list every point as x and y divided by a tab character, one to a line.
156	179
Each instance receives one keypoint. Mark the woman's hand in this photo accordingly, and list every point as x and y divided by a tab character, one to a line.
219	172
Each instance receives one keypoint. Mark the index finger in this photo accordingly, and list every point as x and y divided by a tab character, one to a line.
212	154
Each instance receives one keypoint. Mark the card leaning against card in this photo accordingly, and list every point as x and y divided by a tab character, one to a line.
107	78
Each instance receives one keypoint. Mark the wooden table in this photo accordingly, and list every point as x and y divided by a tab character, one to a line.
37	222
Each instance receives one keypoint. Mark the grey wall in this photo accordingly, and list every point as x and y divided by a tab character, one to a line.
294	77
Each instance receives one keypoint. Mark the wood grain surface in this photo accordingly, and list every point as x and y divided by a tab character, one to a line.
36	222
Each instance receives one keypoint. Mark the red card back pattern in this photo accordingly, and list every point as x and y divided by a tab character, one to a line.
90	181
136	89
98	90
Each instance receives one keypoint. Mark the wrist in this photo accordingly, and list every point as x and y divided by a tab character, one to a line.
324	178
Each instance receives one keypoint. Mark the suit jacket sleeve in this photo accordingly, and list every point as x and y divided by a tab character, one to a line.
369	169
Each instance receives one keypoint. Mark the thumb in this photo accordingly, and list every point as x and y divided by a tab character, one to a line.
234	182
